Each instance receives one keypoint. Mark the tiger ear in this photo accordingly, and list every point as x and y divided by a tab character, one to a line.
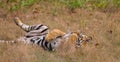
90	38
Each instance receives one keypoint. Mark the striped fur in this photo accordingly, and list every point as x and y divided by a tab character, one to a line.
37	35
78	39
40	35
47	45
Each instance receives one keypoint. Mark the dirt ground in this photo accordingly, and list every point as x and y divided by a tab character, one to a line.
104	27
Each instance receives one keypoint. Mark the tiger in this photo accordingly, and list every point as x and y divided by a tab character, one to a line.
50	40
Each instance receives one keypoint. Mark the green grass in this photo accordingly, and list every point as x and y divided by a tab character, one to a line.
71	4
23	3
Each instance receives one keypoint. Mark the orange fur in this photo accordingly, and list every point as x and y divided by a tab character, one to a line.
84	43
73	38
54	33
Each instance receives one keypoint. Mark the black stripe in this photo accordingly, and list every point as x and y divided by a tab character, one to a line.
46	43
78	41
39	27
59	36
44	30
43	42
33	41
32	28
50	47
39	41
28	36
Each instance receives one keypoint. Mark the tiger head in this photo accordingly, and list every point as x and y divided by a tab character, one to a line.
83	40
78	38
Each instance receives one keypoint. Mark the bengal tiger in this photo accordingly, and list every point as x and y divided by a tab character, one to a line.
50	40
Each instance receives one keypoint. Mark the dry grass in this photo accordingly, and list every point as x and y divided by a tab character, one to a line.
16	53
103	27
